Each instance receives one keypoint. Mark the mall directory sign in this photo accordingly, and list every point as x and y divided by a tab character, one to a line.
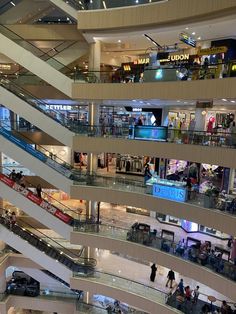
170	192
149	133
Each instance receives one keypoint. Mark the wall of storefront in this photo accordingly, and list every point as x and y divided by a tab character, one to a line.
195	153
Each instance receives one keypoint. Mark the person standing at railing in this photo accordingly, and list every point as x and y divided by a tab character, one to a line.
147	173
12	219
13	175
39	191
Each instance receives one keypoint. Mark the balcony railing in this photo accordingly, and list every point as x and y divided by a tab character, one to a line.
196	253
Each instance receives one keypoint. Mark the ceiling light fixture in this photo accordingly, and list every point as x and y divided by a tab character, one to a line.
186	28
119	41
224	99
233	101
12	3
136	1
199	38
193	33
104	4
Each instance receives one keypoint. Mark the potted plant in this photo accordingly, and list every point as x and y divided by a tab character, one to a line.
210	197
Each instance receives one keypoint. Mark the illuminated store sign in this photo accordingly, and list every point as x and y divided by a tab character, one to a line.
233	68
187	39
212	51
5	67
59	107
127	67
141	61
172	193
174	58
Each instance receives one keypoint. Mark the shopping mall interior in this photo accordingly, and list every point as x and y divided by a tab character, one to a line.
117	160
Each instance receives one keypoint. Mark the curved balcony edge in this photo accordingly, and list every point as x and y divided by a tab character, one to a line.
171	13
213	218
189	269
173	90
125	296
213	155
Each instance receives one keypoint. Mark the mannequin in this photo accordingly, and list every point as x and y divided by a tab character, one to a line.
210	124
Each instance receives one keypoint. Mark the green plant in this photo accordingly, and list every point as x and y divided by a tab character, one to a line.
213	191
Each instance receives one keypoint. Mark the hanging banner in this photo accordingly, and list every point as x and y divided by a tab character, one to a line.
35	199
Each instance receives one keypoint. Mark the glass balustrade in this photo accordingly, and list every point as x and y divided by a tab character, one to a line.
107	4
192	253
219	202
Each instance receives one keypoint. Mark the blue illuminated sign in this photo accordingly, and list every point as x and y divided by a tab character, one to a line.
187	39
172	193
149	133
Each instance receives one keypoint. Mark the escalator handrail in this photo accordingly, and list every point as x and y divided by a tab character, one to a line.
77	173
30	185
90	261
43	53
5	126
37	101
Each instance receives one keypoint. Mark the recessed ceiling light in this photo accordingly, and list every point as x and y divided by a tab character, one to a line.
119	41
186	28
233	101
193	33
178	100
136	1
199	38
12	3
224	99
133	100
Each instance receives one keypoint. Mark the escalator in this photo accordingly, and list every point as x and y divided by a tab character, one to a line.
36	111
53	214
45	251
38	62
39	160
65	7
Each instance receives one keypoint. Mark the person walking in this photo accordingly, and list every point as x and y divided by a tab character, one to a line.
39	191
12	219
181	287
19	176
195	295
153	272
147	173
13	175
171	278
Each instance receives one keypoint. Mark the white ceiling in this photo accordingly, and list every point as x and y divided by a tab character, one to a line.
216	29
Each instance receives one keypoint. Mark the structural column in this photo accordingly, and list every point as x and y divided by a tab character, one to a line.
200	119
92	160
95	58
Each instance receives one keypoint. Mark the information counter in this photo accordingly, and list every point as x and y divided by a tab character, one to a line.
171	190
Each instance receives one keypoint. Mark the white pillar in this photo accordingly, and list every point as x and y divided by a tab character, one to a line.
164	118
95	58
231	179
200	119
